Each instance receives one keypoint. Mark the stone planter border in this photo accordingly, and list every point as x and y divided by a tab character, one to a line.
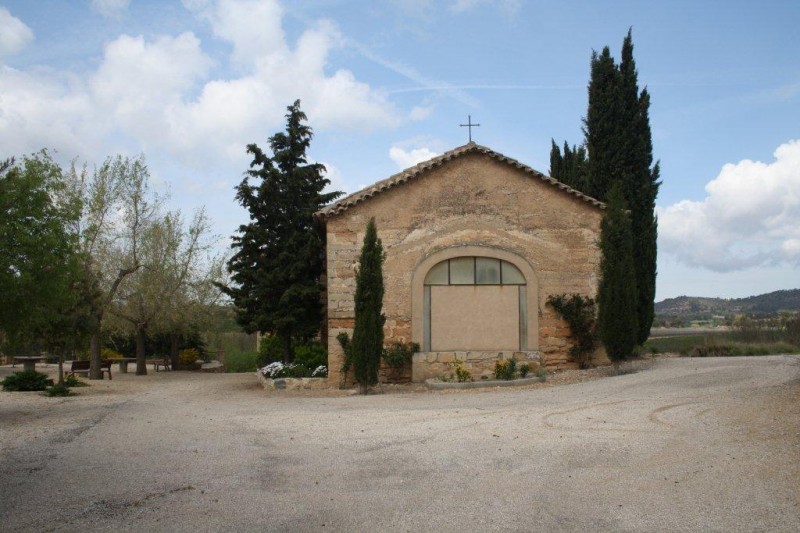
444	385
292	383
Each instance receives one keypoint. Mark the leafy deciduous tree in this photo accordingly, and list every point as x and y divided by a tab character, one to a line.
39	266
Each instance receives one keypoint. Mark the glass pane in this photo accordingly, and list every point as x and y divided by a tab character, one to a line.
487	271
437	275
512	275
462	271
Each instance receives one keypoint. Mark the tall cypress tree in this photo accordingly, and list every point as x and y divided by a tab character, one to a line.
278	260
603	125
367	343
617	322
640	183
570	168
620	149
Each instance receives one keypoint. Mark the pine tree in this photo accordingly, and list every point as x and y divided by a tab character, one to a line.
278	260
617	321
367	343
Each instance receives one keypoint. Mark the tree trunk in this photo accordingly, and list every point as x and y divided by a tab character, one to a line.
94	356
287	349
174	338
141	364
61	367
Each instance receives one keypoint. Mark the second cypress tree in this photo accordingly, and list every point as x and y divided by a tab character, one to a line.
367	344
617	321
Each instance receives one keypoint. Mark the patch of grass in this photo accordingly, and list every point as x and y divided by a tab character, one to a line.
59	389
241	361
716	345
73	381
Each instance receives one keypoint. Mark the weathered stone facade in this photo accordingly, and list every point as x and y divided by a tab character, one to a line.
471	201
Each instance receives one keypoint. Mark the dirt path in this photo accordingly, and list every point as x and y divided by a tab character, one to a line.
689	444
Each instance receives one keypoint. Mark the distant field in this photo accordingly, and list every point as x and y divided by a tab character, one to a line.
678	341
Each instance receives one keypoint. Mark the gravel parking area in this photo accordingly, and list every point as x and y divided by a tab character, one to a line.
682	445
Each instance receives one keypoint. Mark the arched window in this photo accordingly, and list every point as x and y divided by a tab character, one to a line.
474	303
474	271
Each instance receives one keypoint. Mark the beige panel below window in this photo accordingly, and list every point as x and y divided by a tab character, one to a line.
474	317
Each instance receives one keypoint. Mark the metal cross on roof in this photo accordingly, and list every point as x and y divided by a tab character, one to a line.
469	125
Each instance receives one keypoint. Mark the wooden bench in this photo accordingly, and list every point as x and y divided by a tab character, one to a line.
83	367
165	363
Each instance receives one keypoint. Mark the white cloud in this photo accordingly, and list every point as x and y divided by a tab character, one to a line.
139	82
750	217
420	112
111	8
14	34
409	158
160	93
509	7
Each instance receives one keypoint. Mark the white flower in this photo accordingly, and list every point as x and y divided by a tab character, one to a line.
321	370
273	369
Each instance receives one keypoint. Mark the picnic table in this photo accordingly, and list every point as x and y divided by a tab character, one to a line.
29	361
123	363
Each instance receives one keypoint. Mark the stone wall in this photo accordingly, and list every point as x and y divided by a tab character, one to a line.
426	365
470	201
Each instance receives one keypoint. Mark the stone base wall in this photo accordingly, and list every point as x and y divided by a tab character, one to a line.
427	365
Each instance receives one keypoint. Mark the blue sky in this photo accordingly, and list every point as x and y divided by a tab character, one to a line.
386	84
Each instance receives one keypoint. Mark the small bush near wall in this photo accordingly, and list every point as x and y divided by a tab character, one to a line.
505	370
579	312
397	354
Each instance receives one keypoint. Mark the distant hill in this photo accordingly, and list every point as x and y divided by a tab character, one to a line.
770	303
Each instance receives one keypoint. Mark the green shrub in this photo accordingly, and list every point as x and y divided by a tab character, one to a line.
73	381
713	350
344	342
462	374
579	313
311	355
793	331
241	361
397	354
270	350
541	372
188	357
524	369
28	380
108	353
505	369
59	389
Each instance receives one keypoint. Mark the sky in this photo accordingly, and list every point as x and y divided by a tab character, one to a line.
385	85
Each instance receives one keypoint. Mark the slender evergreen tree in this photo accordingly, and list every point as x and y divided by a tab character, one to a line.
602	125
571	167
277	264
617	321
367	343
619	147
640	183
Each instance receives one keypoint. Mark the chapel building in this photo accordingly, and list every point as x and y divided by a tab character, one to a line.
475	243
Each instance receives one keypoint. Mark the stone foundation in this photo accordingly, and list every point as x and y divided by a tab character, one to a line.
428	365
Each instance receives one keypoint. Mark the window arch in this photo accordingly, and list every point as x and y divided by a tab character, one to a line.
474	303
474	271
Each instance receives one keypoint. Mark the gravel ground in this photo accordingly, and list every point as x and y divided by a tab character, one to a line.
680	445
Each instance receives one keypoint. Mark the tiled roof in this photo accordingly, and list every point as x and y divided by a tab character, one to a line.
413	172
